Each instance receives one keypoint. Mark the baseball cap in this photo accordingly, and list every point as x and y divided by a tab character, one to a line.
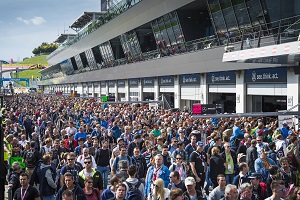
119	139
199	143
189	181
255	175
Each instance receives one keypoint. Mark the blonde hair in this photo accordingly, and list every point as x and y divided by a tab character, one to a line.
161	191
215	151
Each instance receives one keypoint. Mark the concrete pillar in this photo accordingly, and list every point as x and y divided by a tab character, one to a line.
204	89
292	89
140	90
116	91
241	92
127	90
93	90
107	88
156	90
177	94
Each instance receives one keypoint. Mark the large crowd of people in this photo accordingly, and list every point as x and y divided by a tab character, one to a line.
75	148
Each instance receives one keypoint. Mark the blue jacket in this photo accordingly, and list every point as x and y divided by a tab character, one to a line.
78	193
107	194
259	164
165	176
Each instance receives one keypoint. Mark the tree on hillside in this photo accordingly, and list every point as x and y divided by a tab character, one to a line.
45	48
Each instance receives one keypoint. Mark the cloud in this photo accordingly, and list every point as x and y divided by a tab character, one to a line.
35	21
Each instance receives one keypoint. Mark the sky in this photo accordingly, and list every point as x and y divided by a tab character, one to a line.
26	24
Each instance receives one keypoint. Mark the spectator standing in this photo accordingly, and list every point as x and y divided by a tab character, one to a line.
155	172
102	160
91	172
30	158
218	192
191	193
140	164
230	158
26	191
133	183
46	176
70	184
90	192
110	192
251	156
217	166
14	179
159	191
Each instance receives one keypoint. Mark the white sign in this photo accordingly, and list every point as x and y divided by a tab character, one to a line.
153	105
290	119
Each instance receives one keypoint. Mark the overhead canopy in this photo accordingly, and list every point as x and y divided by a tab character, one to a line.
84	19
63	37
286	53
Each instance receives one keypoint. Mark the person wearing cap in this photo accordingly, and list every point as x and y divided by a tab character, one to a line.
89	141
263	163
259	188
173	146
198	162
191	192
284	130
70	144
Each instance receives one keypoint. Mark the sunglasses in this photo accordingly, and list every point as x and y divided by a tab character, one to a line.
178	158
87	162
282	190
90	182
156	186
70	159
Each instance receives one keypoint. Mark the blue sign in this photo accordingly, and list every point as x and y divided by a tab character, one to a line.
111	83
16	80
121	83
166	80
266	75
221	77
148	81
134	82
189	79
102	83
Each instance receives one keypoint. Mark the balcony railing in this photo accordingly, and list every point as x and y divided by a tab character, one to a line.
278	32
112	13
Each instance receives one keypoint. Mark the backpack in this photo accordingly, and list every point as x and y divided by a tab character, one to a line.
133	192
263	188
280	152
30	158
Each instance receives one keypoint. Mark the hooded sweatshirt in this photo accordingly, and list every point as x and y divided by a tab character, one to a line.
134	182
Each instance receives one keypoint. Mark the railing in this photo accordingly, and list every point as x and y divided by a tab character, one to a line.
277	32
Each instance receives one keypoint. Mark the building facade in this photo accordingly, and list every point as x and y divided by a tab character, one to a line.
142	50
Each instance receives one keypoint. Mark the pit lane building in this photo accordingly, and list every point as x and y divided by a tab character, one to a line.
243	54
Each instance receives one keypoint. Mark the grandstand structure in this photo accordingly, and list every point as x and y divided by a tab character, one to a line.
242	54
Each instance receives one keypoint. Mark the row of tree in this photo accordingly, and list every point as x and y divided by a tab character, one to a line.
45	48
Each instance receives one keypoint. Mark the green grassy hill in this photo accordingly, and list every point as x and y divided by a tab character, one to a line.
36	60
29	73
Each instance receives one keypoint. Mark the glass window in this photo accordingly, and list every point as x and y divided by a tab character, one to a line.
242	15
214	6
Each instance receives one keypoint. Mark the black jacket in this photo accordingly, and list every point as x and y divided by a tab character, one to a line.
186	196
251	156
